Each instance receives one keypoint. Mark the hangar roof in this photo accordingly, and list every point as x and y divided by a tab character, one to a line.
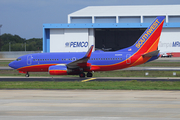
128	10
122	14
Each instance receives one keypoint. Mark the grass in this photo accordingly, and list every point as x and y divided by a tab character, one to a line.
95	85
160	64
4	63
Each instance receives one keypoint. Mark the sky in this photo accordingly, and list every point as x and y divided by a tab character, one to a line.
26	17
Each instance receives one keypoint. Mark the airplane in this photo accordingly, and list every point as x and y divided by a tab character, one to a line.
144	50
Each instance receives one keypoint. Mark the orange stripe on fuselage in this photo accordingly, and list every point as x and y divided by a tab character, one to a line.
36	68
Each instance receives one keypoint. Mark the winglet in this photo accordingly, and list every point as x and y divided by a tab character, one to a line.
88	54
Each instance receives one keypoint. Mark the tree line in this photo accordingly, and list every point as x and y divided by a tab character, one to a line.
10	42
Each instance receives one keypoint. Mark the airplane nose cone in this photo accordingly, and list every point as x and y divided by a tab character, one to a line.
11	65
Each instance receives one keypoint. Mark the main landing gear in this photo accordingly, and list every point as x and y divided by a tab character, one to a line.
27	74
89	74
82	74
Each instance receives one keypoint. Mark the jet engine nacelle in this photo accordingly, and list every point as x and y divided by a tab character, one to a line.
58	70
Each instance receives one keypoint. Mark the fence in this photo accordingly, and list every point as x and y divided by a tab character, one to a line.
16	54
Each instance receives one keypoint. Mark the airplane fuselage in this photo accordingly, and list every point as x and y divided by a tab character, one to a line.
102	61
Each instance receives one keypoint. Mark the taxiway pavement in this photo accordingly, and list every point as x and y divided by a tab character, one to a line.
89	105
59	79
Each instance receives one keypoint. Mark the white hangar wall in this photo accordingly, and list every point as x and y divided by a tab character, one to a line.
170	40
71	40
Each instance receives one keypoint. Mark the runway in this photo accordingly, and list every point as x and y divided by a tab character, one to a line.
89	105
60	79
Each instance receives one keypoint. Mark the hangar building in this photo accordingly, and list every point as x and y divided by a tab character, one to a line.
111	28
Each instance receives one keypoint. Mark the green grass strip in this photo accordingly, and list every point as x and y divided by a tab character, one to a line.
94	85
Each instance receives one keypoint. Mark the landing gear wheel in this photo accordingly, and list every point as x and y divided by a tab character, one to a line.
27	74
89	74
81	75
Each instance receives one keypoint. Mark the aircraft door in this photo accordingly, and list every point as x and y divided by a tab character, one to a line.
128	58
29	59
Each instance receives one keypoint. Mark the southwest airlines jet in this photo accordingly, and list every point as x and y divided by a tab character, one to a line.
144	50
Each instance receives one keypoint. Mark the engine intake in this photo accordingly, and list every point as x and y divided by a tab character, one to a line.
58	70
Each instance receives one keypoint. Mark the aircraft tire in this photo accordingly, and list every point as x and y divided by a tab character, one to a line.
27	74
82	75
89	74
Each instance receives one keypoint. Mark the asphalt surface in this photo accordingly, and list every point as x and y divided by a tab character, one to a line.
89	105
89	79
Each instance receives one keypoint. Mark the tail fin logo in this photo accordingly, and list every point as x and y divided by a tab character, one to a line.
148	33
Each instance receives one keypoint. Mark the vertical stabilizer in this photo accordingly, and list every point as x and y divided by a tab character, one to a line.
149	40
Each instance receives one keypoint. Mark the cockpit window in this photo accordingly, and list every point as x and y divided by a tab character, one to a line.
18	59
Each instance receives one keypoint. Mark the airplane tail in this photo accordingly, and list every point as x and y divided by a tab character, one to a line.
149	40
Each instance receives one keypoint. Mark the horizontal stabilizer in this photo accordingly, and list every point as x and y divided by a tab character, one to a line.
151	54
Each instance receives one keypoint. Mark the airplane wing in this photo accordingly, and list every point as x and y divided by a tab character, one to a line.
81	62
151	54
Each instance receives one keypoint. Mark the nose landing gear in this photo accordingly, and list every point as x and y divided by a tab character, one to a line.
27	74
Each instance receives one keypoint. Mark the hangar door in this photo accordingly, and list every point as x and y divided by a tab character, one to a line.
112	39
